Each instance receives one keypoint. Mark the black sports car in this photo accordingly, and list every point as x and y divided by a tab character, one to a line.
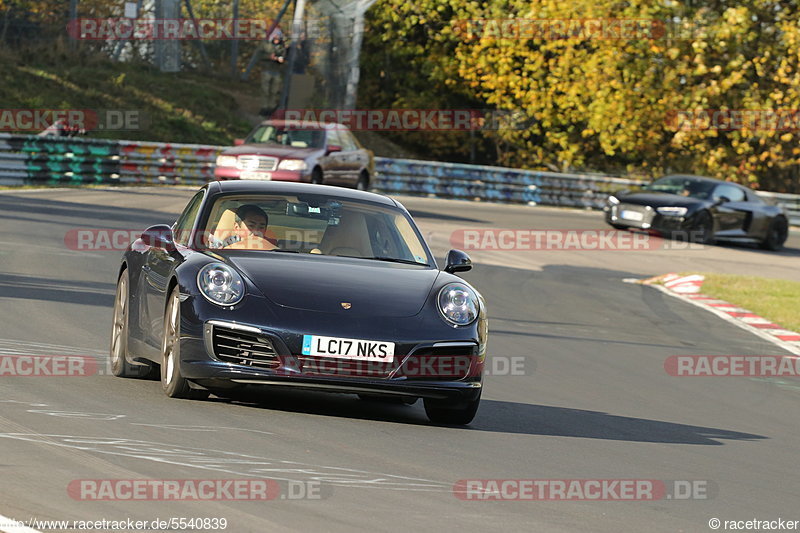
304	286
701	209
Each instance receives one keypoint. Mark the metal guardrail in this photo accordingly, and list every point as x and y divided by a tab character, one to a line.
456	180
499	184
29	159
790	202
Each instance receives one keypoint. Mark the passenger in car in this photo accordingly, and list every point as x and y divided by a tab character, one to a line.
249	231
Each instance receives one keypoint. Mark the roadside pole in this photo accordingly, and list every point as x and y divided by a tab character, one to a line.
297	28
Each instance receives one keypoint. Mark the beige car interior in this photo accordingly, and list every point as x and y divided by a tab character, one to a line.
349	238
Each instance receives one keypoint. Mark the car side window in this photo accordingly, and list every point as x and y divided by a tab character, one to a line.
348	142
732	193
185	223
334	138
258	135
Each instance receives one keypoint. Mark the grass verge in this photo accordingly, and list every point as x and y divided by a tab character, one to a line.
775	299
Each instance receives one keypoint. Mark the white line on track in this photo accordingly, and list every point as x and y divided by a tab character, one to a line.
22	347
45	249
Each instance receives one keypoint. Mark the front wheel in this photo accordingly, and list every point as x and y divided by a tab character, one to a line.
363	182
120	366
702	231
173	383
777	234
461	413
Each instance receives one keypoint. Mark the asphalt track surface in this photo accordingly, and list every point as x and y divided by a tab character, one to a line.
593	400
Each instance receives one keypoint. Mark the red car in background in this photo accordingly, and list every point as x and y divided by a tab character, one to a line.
287	150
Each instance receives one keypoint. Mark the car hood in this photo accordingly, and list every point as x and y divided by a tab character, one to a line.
275	150
660	199
372	288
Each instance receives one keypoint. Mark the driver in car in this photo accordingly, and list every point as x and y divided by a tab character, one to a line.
249	230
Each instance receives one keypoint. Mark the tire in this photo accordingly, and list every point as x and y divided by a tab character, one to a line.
173	383
777	233
461	414
118	351
702	231
406	400
619	227
316	176
363	182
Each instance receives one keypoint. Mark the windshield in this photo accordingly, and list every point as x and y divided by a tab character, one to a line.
313	224
683	186
288	136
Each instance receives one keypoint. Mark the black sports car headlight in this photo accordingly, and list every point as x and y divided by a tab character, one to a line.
220	284
458	304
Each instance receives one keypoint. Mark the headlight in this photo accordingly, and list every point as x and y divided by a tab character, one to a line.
458	304
672	211
613	200
226	160
292	164
220	284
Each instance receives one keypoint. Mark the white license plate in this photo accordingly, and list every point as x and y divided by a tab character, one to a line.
357	349
255	175
631	215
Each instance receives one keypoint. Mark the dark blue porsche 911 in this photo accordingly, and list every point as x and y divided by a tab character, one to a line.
303	286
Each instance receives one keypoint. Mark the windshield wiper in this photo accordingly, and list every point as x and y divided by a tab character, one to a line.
284	250
396	260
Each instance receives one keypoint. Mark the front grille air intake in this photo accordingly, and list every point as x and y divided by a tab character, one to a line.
243	348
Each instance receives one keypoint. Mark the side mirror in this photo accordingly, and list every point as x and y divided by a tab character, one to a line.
334	148
238	142
722	200
457	261
159	236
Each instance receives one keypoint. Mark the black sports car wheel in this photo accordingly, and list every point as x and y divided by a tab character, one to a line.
119	336
441	412
702	231
363	182
777	234
173	383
